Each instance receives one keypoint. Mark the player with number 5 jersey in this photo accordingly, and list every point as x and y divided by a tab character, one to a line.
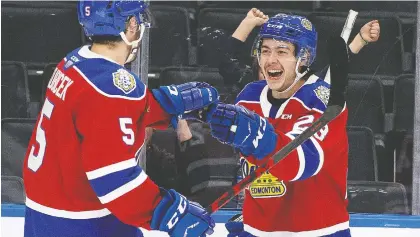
80	172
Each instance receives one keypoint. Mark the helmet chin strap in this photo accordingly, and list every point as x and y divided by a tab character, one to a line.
134	44
298	76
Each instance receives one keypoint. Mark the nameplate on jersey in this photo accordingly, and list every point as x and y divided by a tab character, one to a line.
124	81
323	93
59	84
266	186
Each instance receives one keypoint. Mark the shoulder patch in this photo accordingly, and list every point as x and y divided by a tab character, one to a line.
124	81
323	93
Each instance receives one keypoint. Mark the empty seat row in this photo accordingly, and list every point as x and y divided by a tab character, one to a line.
363	196
377	197
38	34
55	31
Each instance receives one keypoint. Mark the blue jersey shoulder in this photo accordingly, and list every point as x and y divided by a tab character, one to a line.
314	93
107	77
251	91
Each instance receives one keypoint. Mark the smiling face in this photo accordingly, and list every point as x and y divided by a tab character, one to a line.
278	63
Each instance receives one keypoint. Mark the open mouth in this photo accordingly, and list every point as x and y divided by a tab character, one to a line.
274	74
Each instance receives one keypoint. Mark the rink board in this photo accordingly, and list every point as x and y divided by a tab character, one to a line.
361	224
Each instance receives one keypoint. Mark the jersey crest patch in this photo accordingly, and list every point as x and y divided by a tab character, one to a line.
266	186
124	81
323	93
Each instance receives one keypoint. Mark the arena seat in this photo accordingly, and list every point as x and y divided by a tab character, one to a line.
362	154
12	190
15	91
377	197
40	32
15	136
170	42
404	104
365	102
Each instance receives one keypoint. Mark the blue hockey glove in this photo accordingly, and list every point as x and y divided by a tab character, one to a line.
180	217
179	99
236	229
243	129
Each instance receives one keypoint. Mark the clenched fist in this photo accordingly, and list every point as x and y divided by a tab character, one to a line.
256	17
370	31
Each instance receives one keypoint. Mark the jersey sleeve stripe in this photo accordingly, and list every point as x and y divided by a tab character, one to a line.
110	182
123	189
301	157
311	158
321	155
66	214
94	174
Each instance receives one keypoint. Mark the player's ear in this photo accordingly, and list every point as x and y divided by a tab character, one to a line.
132	25
304	59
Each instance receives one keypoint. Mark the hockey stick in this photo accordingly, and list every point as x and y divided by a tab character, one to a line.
345	34
337	52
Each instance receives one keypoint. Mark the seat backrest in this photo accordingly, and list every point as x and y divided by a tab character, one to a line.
179	75
377	197
169	36
208	164
404	103
368	6
161	165
15	136
39	33
46	76
225	20
264	5
12	190
382	57
362	154
365	102
14	90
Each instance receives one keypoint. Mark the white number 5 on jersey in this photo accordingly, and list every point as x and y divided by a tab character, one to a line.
35	161
128	138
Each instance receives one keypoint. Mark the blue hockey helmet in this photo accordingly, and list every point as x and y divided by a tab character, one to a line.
110	17
297	30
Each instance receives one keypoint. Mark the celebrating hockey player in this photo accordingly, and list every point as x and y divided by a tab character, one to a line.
237	74
305	194
80	171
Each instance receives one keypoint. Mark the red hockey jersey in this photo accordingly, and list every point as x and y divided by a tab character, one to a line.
305	194
80	172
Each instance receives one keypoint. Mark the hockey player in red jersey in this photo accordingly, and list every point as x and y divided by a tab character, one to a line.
80	171
305	194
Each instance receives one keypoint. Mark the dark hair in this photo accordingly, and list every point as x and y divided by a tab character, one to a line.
106	39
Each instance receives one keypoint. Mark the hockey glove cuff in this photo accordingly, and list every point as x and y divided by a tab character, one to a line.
179	99
243	129
180	217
